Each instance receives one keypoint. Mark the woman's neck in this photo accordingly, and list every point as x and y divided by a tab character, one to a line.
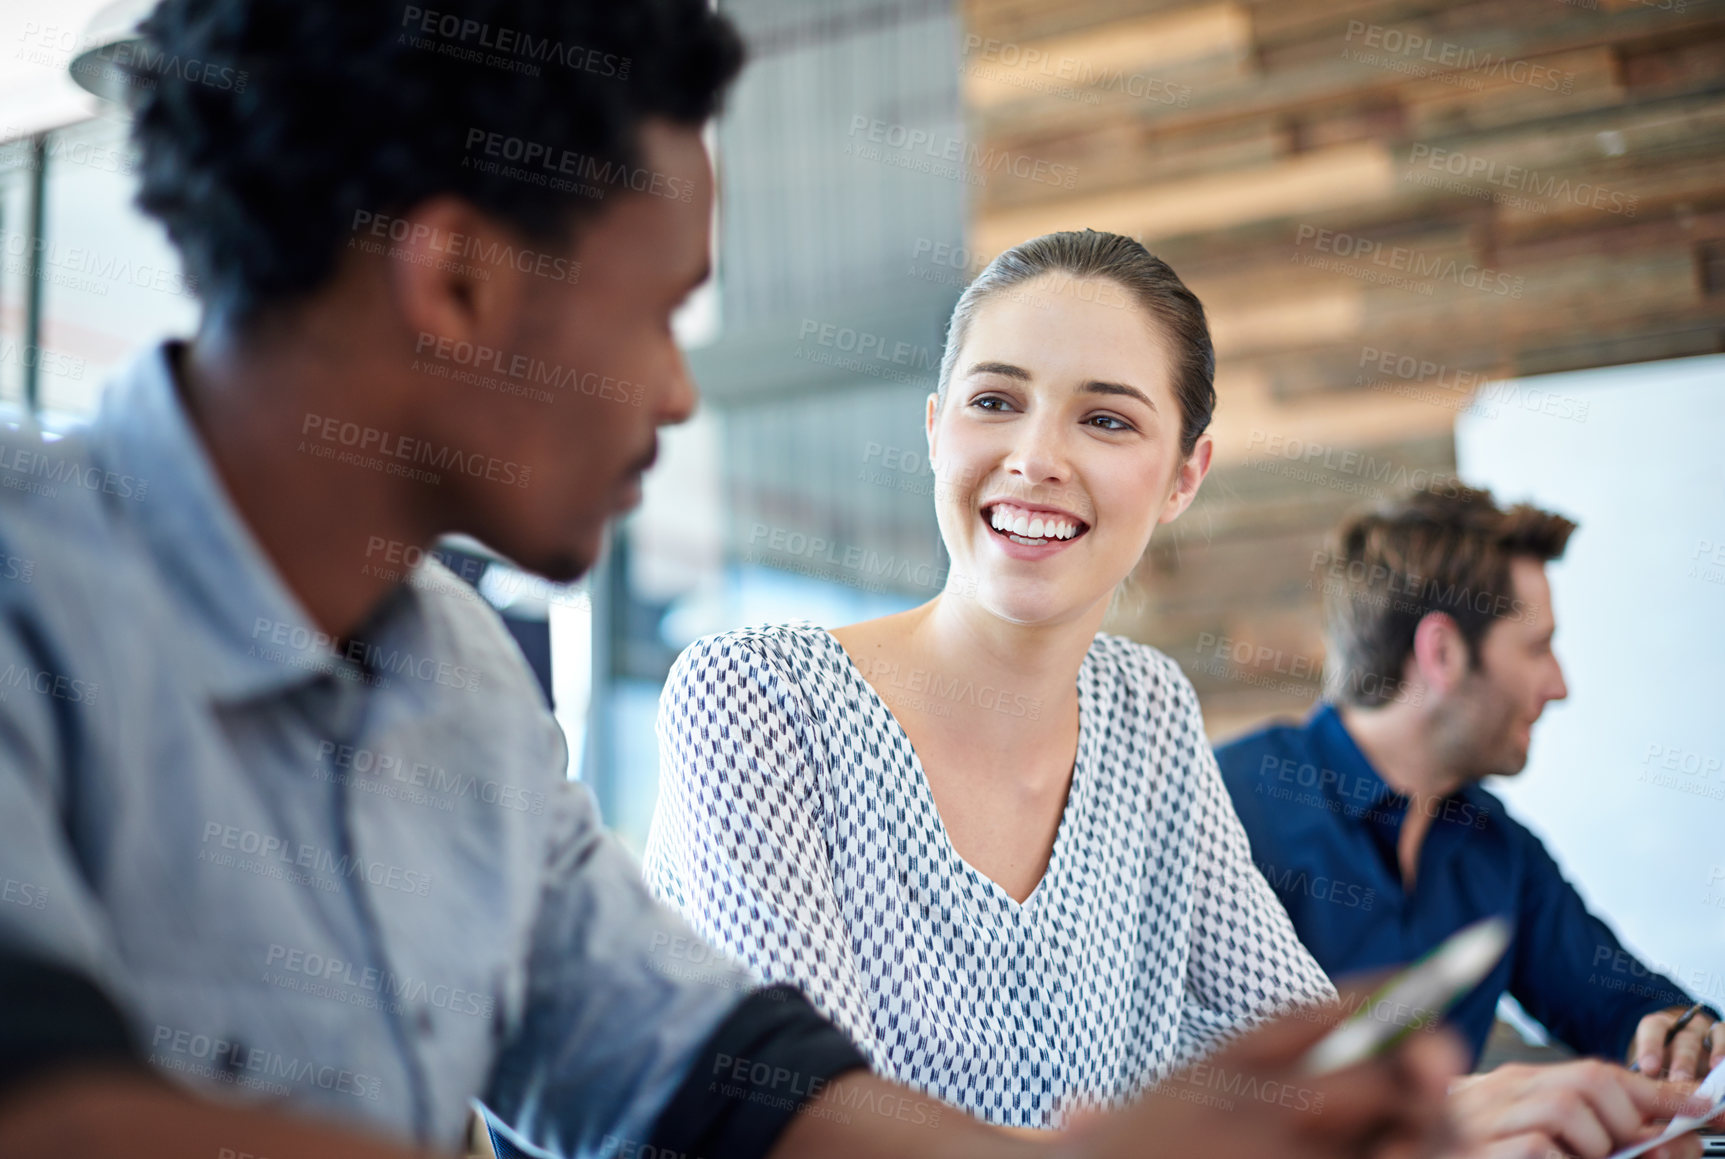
991	708
967	635
1028	673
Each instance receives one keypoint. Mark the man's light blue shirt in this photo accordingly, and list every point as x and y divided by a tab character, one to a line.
353	879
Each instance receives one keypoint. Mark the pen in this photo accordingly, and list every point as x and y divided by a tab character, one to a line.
1683	1020
1418	995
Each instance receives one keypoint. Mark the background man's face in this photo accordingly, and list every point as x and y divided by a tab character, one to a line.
1488	721
607	338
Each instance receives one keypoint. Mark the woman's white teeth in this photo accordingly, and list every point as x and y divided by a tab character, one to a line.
1026	526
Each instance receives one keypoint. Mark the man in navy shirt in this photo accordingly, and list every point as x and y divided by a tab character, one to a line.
1369	819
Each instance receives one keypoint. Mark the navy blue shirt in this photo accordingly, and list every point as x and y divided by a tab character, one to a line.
1324	827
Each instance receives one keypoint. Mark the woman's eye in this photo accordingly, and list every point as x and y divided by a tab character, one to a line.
990	402
1114	423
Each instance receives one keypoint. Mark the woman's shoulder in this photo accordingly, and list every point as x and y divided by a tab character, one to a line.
801	638
1150	708
798	654
740	715
1141	670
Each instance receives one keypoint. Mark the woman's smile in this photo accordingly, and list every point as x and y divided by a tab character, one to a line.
1031	532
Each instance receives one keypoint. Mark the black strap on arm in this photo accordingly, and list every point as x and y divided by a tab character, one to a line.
53	1018
750	1078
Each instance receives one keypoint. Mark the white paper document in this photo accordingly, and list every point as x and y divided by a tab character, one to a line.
1713	1087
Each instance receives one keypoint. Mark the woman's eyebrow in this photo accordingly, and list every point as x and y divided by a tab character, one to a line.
1003	368
1119	388
1008	370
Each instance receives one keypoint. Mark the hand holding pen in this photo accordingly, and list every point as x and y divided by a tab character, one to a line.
1678	1044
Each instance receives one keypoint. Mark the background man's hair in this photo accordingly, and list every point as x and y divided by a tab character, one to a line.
301	114
1389	567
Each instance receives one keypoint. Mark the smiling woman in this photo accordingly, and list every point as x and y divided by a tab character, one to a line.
987	839
1084	360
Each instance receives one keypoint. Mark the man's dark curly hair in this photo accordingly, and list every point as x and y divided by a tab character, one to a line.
265	126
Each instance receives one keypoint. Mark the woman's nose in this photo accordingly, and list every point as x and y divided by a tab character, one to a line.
1039	454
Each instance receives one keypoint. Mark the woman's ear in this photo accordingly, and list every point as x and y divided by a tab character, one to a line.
932	409
1187	479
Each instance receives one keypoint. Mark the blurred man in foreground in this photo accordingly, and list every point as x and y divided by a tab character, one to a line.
284	800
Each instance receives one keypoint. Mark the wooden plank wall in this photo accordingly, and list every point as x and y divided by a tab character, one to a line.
1387	207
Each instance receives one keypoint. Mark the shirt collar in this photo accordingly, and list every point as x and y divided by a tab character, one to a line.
248	634
1357	782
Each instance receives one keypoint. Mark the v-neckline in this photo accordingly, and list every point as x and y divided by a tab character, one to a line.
1064	833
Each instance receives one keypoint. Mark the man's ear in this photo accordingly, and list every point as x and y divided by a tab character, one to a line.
1441	655
446	299
1187	479
932	409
